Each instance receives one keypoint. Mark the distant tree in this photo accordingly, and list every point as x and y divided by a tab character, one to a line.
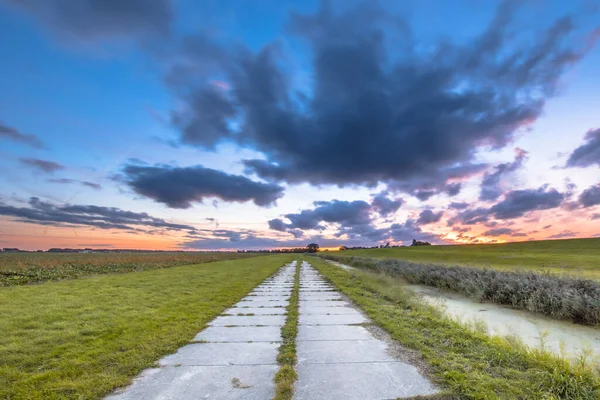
342	248
420	243
312	247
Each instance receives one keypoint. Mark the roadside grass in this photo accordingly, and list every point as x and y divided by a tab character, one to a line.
286	376
27	268
467	362
83	338
573	299
575	257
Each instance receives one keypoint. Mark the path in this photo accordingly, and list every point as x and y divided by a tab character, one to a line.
339	359
236	358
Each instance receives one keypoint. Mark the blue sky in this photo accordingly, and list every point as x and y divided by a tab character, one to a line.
92	84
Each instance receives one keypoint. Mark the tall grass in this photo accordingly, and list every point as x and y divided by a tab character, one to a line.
574	299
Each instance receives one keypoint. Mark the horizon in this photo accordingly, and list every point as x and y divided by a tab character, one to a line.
225	126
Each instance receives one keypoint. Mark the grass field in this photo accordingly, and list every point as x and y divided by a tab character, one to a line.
579	257
467	362
24	268
83	338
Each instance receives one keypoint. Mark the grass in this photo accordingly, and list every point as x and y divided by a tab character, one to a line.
573	299
26	268
467	362
83	338
286	376
578	257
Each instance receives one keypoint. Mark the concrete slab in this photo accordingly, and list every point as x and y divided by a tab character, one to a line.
332	332
318	310
262	303
360	381
256	310
251	320
321	319
342	351
323	303
240	334
321	296
216	383
255	353
266	296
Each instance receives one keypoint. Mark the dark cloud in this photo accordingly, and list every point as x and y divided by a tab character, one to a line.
429	217
10	133
384	205
93	20
458	206
461	229
517	203
44	213
595	216
352	219
277	225
345	213
470	216
491	186
590	196
67	181
588	153
410	116
42	165
498	232
563	234
179	187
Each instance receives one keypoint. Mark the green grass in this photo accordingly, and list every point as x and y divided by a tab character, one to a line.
467	362
286	376
26	268
578	257
83	338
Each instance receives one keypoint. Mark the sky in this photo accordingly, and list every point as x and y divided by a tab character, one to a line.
231	124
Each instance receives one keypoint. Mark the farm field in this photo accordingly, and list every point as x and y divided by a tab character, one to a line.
83	338
576	257
25	268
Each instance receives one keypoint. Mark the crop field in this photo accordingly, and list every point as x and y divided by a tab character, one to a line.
576	257
83	338
25	268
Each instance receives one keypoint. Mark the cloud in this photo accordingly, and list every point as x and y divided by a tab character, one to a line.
384	205
491	186
498	232
179	187
10	133
517	203
252	240
595	216
590	196
429	217
588	153
353	219
458	205
97	20
42	165
67	181
413	116
44	213
345	213
563	234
